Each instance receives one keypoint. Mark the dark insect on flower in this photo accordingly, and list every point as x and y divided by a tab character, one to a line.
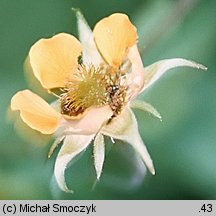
99	77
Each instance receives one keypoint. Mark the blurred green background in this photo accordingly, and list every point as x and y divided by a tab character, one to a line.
183	145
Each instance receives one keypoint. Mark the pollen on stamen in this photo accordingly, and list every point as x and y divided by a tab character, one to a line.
92	86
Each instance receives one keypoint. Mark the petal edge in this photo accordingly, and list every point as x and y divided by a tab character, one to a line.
113	36
35	112
53	60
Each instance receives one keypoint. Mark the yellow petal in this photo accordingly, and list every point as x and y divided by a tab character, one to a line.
113	36
54	60
29	135
32	81
35	112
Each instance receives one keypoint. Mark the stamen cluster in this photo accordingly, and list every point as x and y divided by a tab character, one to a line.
92	86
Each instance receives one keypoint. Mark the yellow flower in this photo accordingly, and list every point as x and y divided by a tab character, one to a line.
98	78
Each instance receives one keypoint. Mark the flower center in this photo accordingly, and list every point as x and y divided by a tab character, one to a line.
92	86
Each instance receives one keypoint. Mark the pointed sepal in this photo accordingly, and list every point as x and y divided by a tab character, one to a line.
147	107
72	146
99	154
155	71
90	55
124	127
